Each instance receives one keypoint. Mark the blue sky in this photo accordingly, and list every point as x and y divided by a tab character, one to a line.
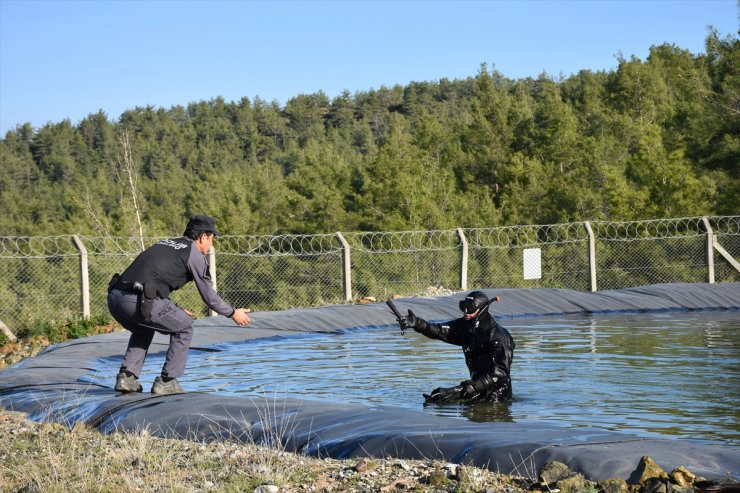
65	59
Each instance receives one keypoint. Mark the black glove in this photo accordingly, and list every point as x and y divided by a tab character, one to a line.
444	394
411	321
468	389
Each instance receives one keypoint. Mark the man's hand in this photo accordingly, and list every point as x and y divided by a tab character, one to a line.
497	299
411	321
240	316
468	389
444	394
188	312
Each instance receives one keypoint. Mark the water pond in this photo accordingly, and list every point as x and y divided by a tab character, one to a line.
669	374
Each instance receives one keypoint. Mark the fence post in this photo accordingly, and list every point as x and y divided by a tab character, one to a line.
346	267
212	271
463	260
591	255
710	250
8	333
84	277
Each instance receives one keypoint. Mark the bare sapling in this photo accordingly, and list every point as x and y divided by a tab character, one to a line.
127	164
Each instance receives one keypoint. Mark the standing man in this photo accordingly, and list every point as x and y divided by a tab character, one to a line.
139	300
488	350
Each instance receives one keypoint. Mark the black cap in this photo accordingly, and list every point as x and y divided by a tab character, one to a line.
202	224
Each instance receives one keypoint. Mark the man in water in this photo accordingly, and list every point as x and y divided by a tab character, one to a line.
139	300
487	346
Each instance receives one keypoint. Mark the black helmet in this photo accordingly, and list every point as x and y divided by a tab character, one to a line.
473	302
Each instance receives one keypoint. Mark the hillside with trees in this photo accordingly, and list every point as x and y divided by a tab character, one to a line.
652	138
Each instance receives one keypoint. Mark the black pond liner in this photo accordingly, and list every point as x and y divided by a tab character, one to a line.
50	387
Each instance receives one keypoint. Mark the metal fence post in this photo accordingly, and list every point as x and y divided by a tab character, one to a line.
463	260
346	267
84	277
710	250
212	271
591	255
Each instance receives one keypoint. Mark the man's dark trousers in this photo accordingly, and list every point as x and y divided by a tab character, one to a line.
166	318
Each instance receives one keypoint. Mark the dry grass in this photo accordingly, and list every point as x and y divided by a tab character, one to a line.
50	457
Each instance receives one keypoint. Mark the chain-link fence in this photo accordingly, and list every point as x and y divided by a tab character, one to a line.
404	262
57	278
278	272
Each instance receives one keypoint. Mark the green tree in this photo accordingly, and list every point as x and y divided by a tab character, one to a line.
650	138
667	177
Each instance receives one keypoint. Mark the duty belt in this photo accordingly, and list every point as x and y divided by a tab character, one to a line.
145	302
131	286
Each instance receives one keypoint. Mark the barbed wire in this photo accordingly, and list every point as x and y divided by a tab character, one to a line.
523	236
37	246
403	241
519	236
116	245
729	225
662	228
279	245
650	229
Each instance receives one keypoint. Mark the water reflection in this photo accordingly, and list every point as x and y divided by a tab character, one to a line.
675	374
479	412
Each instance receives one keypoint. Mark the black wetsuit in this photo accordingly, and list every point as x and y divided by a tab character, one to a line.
488	349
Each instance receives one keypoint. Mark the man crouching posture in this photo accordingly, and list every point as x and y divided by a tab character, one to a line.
139	299
488	349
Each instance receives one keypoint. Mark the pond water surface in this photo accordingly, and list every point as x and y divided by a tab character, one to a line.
670	374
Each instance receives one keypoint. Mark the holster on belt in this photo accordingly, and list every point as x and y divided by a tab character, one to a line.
147	299
146	292
113	281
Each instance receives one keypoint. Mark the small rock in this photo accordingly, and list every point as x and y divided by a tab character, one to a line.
362	465
674	488
683	477
573	483
553	471
452	470
614	485
266	488
654	485
646	469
